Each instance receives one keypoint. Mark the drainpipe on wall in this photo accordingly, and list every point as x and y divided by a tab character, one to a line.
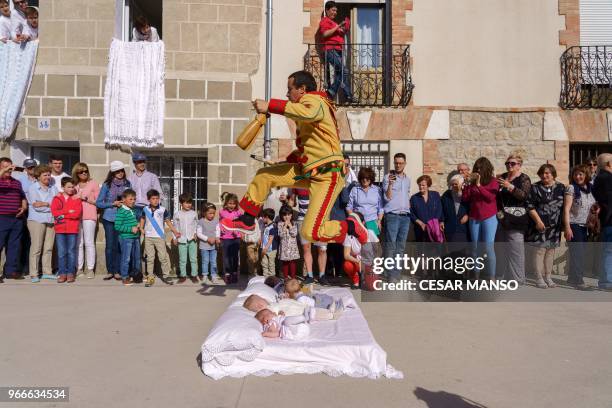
267	130
388	58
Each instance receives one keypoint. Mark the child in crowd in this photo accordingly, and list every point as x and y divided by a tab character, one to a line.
5	21
66	209
143	31
154	217
252	240
289	252
230	241
209	233
280	326
353	254
186	224
30	30
269	243
128	227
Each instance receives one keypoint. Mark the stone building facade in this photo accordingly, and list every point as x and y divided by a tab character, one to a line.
211	51
486	79
487	82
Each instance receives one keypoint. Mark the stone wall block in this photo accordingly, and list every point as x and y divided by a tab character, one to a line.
60	85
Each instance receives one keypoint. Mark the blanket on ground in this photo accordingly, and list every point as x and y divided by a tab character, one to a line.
17	63
134	96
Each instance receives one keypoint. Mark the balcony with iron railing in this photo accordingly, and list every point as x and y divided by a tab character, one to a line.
586	77
375	75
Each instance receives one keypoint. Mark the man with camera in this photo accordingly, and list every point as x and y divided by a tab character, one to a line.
396	193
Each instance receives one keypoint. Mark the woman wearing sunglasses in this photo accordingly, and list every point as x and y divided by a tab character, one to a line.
109	201
88	191
514	187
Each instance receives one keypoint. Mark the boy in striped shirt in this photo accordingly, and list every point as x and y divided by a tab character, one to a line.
129	230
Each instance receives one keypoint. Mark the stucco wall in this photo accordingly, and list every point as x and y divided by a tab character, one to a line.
486	53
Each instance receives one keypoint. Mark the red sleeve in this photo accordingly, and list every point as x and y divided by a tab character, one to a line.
78	210
326	24
277	106
489	192
293	157
56	207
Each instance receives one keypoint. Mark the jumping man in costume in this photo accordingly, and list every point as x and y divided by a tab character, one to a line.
317	164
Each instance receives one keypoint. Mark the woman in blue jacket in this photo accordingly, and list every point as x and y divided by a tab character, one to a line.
109	201
425	206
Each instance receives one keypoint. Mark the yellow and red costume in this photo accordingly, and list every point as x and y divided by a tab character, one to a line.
317	165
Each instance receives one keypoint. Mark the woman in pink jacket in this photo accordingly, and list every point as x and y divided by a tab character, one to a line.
481	195
88	191
66	208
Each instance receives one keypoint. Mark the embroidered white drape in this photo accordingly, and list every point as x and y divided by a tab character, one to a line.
17	63
134	96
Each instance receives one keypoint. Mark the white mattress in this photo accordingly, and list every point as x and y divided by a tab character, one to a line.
338	347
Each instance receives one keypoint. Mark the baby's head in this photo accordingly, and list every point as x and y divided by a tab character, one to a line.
255	303
264	316
293	287
272	281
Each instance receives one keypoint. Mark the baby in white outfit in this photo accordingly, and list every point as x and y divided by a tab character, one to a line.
280	326
288	307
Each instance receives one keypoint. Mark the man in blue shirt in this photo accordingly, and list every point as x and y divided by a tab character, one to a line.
26	177
396	195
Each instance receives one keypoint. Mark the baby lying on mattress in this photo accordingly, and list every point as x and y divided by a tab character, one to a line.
289	318
279	325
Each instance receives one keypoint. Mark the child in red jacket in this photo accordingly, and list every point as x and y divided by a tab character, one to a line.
66	209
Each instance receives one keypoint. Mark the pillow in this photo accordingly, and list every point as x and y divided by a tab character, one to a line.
260	289
256	279
236	335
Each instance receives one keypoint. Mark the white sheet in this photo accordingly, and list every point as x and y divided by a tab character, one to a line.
338	347
134	95
17	63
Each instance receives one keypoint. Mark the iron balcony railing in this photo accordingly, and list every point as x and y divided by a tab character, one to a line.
376	75
586	77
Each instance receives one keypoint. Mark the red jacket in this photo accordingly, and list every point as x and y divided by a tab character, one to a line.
336	40
67	214
482	200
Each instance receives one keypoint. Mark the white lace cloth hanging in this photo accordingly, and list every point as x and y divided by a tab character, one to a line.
17	63
134	96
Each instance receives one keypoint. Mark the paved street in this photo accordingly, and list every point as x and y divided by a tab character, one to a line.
137	347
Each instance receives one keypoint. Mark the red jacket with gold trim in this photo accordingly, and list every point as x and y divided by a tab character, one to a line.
318	141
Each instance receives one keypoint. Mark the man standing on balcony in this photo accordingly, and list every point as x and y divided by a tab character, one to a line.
317	165
333	40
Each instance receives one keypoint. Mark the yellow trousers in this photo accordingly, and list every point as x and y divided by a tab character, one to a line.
322	188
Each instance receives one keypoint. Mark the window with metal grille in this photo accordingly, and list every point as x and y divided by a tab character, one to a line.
181	174
368	154
580	152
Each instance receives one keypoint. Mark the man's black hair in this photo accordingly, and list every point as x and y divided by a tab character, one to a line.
304	78
330	4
